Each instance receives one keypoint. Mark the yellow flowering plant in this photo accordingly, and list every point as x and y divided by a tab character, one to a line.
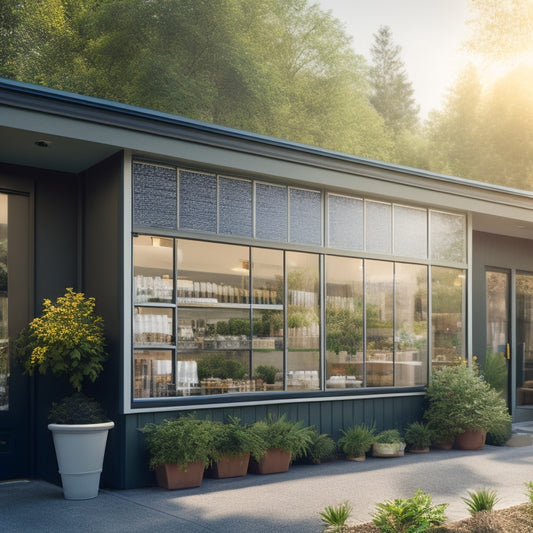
67	339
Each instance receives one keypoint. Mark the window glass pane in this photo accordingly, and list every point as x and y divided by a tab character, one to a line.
448	237
153	325
153	268
303	362
410	231
344	322
4	334
214	344
306	217
212	273
267	283
235	207
271	219
448	300
198	201
345	222
154	196
379	323
378	227
410	364
524	340
153	374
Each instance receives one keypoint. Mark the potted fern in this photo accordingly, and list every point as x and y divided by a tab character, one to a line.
356	441
418	437
68	340
388	443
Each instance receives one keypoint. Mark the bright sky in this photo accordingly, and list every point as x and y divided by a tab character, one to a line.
430	33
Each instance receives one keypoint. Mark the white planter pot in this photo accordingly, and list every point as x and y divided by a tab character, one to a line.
80	453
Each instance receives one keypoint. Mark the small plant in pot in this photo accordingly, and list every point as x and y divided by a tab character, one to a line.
321	448
418	437
388	443
179	450
232	445
356	441
462	405
68	340
283	441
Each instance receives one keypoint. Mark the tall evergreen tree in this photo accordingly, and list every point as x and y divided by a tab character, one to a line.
392	92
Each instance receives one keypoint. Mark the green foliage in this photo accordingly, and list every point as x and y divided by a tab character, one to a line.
389	436
481	500
321	447
335	517
232	438
500	432
529	492
218	366
356	440
67	339
412	515
77	409
344	329
179	441
293	437
459	400
419	435
266	373
494	370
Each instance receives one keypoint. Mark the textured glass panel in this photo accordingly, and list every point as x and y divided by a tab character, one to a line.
271	212
344	322
198	201
306	217
268	331
154	196
378	227
345	224
379	323
410	361
235	207
410	232
303	312
153	268
448	314
448	237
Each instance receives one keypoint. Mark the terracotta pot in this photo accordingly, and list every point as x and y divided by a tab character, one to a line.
470	440
173	477
230	466
274	461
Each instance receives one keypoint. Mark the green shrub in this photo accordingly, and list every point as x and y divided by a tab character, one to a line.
293	437
529	493
180	441
77	409
389	436
501	432
321	447
412	515
481	500
494	370
266	373
218	366
232	438
419	435
335	517
357	440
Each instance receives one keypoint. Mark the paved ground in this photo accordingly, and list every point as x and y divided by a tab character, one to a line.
285	503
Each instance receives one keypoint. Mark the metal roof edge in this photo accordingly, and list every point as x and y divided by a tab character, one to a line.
110	106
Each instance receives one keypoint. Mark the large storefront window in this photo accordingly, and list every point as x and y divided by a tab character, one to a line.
4	342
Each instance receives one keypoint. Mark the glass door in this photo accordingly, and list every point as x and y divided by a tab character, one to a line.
495	362
524	339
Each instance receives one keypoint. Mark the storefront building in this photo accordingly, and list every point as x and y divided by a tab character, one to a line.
244	275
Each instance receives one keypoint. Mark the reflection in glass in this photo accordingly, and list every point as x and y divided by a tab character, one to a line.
267	313
448	300
524	339
211	273
344	322
410	231
379	323
378	227
4	340
303	321
448	237
153	374
493	364
153	269
410	359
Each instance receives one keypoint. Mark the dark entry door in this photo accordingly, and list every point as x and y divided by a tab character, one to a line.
15	293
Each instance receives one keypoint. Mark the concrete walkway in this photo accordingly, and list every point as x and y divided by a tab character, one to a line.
285	503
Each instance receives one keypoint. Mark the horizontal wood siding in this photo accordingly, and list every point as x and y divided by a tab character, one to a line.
328	416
